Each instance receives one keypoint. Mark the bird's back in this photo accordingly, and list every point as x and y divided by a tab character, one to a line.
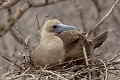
73	42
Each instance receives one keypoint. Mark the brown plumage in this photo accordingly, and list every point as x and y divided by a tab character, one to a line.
61	43
74	41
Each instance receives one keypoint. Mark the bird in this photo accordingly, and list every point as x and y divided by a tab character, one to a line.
60	43
50	50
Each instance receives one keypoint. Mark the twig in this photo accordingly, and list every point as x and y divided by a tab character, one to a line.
44	4
15	36
113	69
46	71
114	73
10	61
23	74
38	22
22	10
14	19
85	56
18	76
86	60
22	40
26	70
44	20
107	15
114	2
25	44
64	63
19	57
106	70
12	31
40	75
67	65
116	56
104	18
9	3
91	65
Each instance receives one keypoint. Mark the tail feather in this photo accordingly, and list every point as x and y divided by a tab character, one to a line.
98	41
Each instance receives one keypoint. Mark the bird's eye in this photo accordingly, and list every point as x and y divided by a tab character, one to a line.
55	26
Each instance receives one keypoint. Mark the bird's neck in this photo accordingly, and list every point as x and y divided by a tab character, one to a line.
48	37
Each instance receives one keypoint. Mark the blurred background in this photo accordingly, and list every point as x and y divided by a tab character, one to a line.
83	14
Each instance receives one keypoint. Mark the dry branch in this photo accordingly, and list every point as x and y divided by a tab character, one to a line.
107	15
9	3
86	61
38	22
106	70
22	10
10	61
104	18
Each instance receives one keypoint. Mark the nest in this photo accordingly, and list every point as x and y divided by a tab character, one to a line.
85	68
97	69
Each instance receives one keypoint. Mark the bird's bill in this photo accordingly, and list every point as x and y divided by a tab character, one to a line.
62	27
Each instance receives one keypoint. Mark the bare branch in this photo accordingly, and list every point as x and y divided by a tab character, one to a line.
104	18
107	15
44	4
15	36
114	2
106	70
26	45
22	10
54	74
14	19
86	60
38	22
10	61
22	75
9	3
116	56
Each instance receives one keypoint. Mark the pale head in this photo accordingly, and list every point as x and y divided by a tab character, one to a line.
55	26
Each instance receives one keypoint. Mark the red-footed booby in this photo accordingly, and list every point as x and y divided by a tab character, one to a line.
61	43
51	48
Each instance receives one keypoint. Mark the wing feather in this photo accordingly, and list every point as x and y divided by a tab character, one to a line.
74	40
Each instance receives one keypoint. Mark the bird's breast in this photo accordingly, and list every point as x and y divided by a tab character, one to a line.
50	51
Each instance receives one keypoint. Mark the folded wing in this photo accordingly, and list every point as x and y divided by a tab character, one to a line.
74	41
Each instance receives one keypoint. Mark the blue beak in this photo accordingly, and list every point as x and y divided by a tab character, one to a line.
61	27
